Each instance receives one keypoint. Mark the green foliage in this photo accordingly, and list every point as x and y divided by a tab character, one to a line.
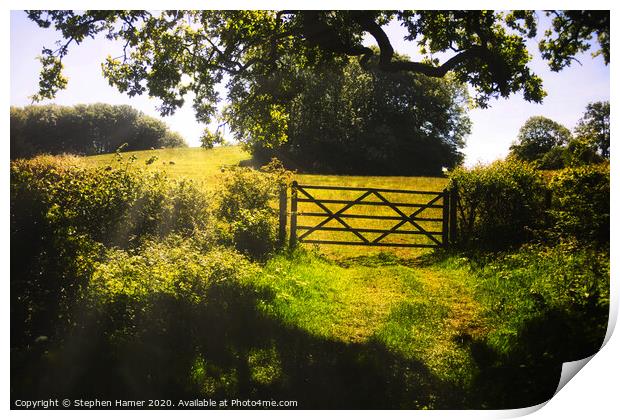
51	79
209	139
479	63
123	265
549	302
349	120
115	207
543	142
62	218
499	204
580	206
571	33
549	145
593	128
580	151
86	130
245	204
255	48
133	284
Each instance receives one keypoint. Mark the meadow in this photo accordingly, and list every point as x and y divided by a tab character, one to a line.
168	308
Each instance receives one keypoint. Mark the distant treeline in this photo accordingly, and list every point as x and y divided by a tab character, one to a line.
86	130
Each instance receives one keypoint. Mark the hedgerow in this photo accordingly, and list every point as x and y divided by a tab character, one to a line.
101	255
245	203
580	204
499	205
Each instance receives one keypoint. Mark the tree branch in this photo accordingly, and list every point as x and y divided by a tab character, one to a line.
386	56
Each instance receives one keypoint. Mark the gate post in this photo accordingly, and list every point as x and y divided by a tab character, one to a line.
453	204
282	231
293	239
446	213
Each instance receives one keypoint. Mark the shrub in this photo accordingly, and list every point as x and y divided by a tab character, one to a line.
62	218
499	205
580	204
129	285
246	205
561	290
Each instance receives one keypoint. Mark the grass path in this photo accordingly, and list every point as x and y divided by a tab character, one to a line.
417	311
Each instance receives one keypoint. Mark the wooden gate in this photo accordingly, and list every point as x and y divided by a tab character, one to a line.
431	220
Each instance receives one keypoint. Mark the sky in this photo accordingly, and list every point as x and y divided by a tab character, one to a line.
493	128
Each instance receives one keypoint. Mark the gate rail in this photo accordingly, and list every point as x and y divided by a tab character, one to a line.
445	200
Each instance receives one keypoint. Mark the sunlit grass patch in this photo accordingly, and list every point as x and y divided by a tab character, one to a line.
419	313
331	301
201	165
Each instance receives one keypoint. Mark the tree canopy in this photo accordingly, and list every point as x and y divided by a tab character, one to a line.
169	54
86	130
364	122
539	140
550	145
593	128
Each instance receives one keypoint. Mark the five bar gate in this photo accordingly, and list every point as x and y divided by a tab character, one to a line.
422	220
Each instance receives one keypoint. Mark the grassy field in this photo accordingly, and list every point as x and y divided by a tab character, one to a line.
196	163
203	166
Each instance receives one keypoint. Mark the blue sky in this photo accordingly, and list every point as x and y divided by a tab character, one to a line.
493	129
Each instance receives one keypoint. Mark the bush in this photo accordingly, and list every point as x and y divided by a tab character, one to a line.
246	205
131	286
580	204
499	205
563	289
63	216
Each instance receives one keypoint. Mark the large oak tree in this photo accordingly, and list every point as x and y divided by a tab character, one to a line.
169	54
356	121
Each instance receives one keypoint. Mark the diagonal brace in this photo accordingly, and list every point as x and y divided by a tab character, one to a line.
332	215
407	219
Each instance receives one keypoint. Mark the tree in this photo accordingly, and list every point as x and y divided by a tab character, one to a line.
593	128
86	130
172	53
208	139
572	30
541	140
365	122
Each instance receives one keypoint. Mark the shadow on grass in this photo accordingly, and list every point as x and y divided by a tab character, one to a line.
226	348
529	373
383	259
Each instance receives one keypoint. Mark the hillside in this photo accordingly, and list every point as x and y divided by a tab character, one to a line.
192	162
204	165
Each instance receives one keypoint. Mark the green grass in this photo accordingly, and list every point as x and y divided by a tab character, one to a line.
417	312
196	163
